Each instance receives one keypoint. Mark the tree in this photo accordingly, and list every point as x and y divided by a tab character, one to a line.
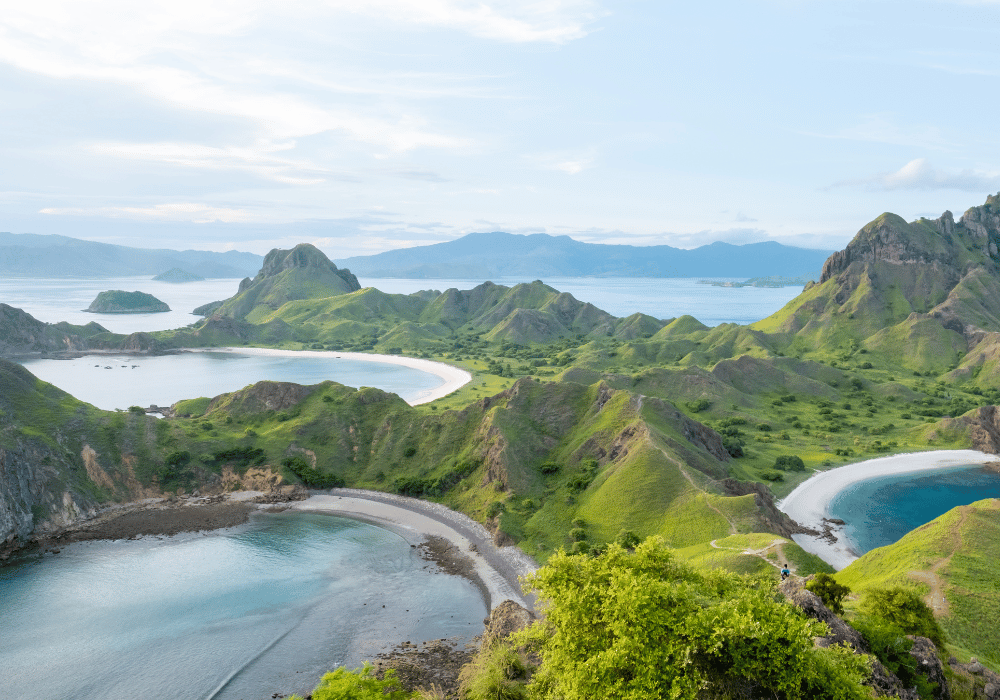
831	592
903	608
640	625
789	463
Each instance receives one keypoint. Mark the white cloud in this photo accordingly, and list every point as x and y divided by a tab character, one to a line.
257	160
181	211
919	174
563	161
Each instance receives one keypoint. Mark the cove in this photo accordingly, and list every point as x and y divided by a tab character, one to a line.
880	510
119	381
241	613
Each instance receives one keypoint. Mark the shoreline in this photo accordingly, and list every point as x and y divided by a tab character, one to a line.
453	378
496	571
808	504
455	542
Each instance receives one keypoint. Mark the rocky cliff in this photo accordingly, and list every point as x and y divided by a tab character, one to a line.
20	333
303	272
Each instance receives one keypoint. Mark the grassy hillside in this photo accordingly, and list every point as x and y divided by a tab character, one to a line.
952	560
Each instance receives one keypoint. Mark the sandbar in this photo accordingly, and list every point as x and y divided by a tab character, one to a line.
453	378
497	570
809	503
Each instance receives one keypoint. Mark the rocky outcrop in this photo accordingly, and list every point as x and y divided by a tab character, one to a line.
263	396
983	428
770	519
116	301
303	272
931	668
884	682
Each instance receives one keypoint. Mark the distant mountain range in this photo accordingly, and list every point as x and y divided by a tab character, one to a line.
31	255
495	255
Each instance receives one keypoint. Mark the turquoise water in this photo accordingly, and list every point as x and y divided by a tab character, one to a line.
879	511
120	381
242	613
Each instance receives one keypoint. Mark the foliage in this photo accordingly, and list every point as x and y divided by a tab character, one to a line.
832	593
494	674
789	463
311	477
903	608
642	625
889	644
360	684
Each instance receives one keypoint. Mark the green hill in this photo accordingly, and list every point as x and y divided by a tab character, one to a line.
952	560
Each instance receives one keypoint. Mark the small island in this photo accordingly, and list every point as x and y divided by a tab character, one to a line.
117	301
772	281
178	276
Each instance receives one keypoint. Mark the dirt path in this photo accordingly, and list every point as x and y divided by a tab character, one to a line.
777	545
733	530
936	598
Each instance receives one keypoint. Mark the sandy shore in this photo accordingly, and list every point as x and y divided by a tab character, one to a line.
496	570
809	503
452	378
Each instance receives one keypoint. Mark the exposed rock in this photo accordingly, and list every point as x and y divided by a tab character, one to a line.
926	653
506	619
884	682
770	518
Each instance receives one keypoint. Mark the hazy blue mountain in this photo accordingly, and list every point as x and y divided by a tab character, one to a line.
490	255
31	255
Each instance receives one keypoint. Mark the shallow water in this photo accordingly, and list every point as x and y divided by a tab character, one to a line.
879	511
120	381
241	613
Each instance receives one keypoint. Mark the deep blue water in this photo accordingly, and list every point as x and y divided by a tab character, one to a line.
879	511
247	612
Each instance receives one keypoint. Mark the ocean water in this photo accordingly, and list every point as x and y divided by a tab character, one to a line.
242	613
120	381
879	511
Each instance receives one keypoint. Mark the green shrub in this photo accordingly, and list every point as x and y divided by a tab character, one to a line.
771	475
313	478
903	608
789	463
548	468
494	509
831	592
138	410
409	451
698	405
361	684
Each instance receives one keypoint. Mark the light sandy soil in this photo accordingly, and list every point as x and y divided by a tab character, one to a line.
809	503
453	378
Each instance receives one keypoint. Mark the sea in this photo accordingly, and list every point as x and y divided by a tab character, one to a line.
879	511
240	614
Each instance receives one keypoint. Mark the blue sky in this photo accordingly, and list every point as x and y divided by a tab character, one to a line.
366	126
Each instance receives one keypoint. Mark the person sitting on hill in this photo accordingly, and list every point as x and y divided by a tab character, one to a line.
785	572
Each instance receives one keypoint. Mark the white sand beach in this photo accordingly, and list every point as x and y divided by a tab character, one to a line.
496	569
453	378
809	503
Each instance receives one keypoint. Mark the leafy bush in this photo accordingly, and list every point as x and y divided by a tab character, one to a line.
138	410
494	509
771	475
549	468
638	625
409	451
903	608
699	405
627	539
789	463
831	592
242	456
733	445
311	477
360	684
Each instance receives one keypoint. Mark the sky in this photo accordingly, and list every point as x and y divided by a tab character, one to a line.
367	126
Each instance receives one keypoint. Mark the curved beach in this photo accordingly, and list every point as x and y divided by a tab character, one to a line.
453	378
496	570
809	503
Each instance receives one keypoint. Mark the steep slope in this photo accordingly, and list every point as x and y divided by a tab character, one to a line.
303	272
953	561
20	333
